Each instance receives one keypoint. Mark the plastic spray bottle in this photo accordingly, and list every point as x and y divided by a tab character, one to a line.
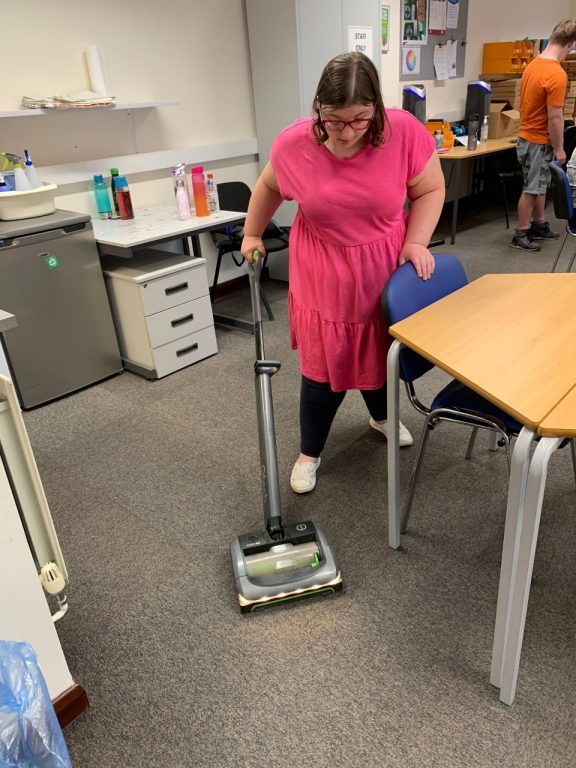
21	183
199	190
181	192
31	172
102	198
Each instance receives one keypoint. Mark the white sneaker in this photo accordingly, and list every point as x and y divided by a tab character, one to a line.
303	477
405	436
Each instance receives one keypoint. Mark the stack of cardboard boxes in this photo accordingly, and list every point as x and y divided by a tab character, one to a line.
569	65
504	106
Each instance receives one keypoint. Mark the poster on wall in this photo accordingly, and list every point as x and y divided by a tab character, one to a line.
414	22
384	28
437	17
360	40
410	60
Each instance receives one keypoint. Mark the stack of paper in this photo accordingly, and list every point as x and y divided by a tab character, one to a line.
78	100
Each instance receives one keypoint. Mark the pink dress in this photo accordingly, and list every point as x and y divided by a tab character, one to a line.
344	245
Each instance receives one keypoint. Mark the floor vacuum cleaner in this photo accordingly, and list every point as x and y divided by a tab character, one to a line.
282	562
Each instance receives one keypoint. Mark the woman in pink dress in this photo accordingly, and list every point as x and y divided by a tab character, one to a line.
350	168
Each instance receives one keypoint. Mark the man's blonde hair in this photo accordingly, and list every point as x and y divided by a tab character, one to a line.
564	33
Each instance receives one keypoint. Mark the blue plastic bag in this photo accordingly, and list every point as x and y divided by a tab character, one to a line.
30	734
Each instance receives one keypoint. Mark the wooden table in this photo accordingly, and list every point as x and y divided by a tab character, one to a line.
558	424
459	154
511	339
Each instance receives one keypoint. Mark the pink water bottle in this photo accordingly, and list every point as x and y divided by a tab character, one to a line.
199	191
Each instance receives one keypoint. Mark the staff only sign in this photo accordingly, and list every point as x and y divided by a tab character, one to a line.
360	39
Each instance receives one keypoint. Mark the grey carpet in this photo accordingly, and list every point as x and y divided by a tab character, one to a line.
148	483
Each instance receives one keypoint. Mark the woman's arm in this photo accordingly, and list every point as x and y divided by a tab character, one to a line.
426	193
264	202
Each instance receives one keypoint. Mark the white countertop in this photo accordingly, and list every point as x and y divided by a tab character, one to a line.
156	222
7	321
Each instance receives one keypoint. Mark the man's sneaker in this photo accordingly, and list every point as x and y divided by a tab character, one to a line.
382	426
542	232
523	242
303	477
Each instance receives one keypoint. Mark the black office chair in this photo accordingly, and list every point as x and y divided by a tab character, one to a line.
235	196
561	193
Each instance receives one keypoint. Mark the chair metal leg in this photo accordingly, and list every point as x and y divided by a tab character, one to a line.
415	472
560	251
493	441
573	452
266	304
471	443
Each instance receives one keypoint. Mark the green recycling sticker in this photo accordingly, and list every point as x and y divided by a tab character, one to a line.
51	261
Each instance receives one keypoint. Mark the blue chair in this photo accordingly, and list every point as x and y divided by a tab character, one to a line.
561	193
404	294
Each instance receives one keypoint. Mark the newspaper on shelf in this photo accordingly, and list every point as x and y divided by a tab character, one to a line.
78	100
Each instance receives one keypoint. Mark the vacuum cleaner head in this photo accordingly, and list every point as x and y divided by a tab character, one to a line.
270	571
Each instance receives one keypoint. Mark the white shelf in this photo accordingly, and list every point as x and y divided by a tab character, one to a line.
58	110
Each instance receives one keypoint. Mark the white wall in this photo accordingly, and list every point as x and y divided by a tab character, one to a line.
488	21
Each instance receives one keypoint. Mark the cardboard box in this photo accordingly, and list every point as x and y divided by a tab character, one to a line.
503	120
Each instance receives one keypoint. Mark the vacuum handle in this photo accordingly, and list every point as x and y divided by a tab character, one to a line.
254	273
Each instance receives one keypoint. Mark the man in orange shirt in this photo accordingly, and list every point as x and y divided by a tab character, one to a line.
541	134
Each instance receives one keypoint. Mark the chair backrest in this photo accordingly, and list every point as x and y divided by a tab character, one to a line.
561	192
569	140
234	196
405	293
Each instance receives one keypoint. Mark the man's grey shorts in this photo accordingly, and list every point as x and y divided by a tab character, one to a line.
534	160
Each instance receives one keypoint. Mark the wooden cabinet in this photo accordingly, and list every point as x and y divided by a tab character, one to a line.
162	311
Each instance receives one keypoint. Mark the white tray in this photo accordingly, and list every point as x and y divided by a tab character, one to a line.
28	204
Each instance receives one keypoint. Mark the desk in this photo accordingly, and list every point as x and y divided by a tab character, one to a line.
155	225
170	324
459	154
509	338
559	423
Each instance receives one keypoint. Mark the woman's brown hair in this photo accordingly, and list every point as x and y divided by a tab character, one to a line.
350	78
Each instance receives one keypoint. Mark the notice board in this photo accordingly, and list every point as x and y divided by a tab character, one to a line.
421	23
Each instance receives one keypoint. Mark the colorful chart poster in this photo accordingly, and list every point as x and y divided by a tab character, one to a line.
410	60
384	28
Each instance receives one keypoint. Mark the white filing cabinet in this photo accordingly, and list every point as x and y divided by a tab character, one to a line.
162	311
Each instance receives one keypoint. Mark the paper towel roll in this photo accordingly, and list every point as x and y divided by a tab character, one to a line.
96	71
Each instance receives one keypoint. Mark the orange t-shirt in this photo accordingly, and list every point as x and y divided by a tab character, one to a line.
543	85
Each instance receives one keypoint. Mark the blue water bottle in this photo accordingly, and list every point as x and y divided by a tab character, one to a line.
102	197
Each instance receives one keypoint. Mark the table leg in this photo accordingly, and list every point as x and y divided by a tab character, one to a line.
514	515
458	169
197	251
393	394
520	590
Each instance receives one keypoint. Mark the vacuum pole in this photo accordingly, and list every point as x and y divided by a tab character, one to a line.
263	372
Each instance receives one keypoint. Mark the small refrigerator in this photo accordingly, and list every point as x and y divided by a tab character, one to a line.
51	280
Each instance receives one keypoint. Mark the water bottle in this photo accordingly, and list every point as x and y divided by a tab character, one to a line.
113	176
473	126
484	129
124	199
199	190
212	194
181	193
102	198
439	139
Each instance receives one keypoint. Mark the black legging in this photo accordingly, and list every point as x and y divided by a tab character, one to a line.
318	406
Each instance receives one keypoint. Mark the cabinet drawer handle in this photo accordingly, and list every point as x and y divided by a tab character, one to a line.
186	350
175	288
181	320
